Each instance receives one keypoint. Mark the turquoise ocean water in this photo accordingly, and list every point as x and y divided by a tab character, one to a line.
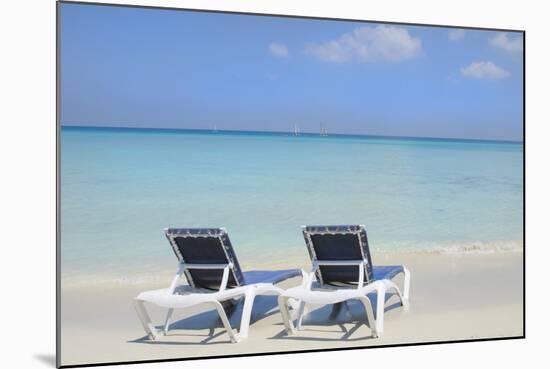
121	187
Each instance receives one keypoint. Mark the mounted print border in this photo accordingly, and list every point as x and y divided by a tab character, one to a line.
276	184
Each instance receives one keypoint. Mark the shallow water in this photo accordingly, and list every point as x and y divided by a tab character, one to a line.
121	187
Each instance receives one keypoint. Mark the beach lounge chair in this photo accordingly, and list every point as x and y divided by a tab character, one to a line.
214	278
342	270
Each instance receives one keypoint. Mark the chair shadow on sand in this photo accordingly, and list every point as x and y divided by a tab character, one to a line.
350	312
264	306
338	315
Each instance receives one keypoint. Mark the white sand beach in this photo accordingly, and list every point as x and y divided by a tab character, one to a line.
453	297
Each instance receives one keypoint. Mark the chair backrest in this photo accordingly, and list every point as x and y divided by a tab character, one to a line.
338	243
205	246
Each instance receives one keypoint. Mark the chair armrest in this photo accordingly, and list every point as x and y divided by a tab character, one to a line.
307	279
339	262
183	266
359	263
172	288
208	266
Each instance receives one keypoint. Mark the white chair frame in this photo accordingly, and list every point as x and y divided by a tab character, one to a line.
171	299
304	294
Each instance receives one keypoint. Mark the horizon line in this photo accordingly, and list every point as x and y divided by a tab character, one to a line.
291	133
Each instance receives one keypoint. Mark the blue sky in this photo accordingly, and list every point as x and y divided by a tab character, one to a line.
133	67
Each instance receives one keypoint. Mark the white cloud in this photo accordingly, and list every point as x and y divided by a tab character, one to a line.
456	34
484	70
279	50
509	44
368	44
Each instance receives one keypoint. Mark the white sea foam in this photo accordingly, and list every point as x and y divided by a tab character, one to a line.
457	247
163	274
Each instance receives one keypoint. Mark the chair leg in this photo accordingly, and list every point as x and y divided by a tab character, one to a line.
145	320
283	308
300	315
225	321
389	285
370	316
406	284
246	314
380	303
167	320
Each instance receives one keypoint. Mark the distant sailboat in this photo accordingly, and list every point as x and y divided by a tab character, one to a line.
296	130
322	130
215	129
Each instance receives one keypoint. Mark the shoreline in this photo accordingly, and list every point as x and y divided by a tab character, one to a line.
154	272
453	297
